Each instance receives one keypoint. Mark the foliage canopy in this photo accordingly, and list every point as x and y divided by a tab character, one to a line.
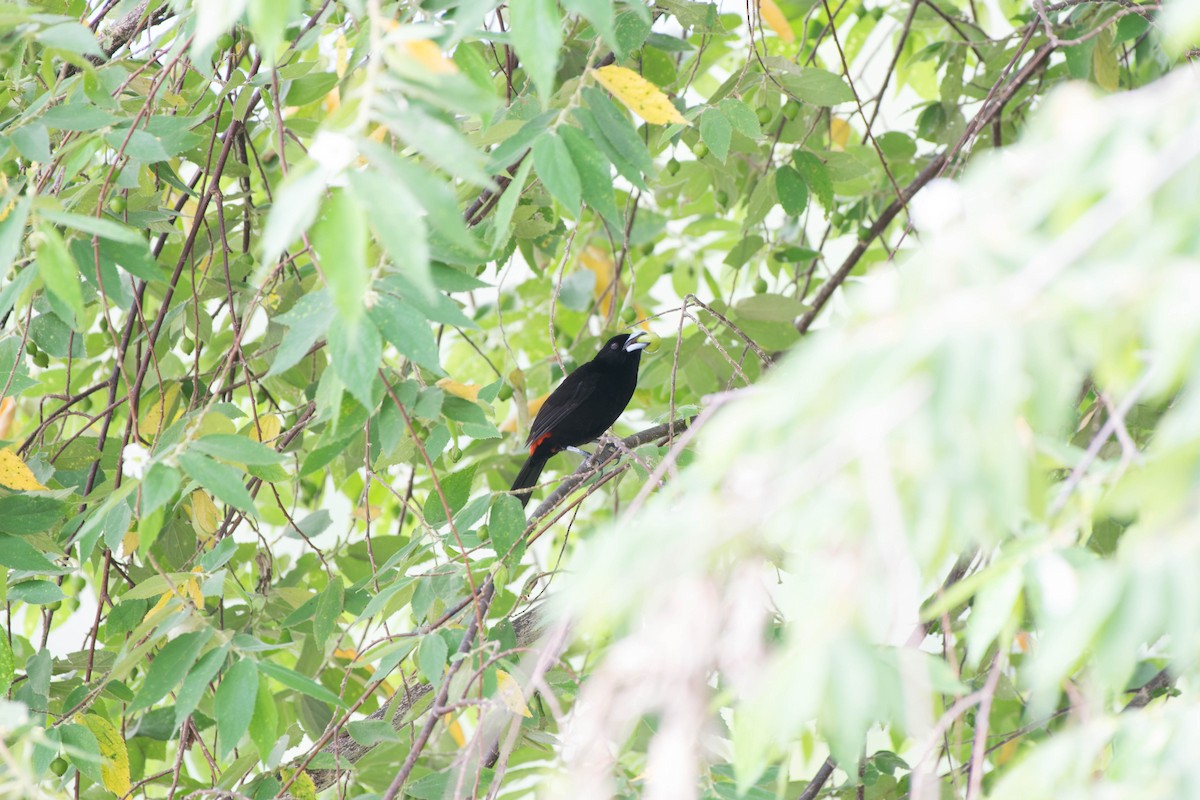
282	281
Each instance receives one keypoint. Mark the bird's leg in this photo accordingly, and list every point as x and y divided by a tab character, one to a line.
579	450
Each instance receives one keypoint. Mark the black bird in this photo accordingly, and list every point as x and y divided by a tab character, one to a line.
583	407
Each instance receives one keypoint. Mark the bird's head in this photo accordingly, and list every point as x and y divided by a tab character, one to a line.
623	348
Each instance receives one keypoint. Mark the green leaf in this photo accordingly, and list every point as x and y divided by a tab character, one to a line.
329	608
98	226
73	37
339	238
77	116
238	449
308	320
506	527
59	272
599	13
35	592
792	190
397	218
370	732
456	488
268	22
431	657
82	750
508	203
264	725
197	681
356	352
554	167
742	117
310	88
294	680
594	175
223	481
407	330
168	667
12	232
817	86
7	666
295	206
138	144
29	513
716	131
816	176
18	554
616	127
32	142
536	32
233	705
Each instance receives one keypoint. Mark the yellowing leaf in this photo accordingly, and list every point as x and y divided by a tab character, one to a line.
8	409
456	731
15	475
640	95
205	516
266	428
605	271
130	543
467	391
189	590
303	787
428	55
509	692
114	755
775	20
163	408
361	512
839	132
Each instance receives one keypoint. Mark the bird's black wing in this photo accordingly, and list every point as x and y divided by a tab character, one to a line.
564	400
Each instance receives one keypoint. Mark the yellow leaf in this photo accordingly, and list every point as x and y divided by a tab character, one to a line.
15	475
189	590
130	543
640	95
303	787
8	409
193	591
429	55
456	731
114	755
467	391
163	408
205	516
266	428
361	512
775	20
839	132
605	271
510	693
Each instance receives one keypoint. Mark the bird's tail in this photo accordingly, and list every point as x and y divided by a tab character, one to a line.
529	474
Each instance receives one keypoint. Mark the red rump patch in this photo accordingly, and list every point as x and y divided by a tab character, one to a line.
534	445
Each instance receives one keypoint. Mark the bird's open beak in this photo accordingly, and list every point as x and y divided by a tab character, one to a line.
632	344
